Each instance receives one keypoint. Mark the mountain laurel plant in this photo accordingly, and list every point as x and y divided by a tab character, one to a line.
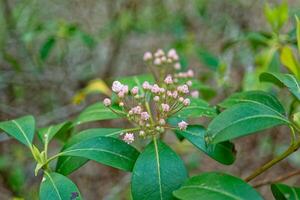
163	102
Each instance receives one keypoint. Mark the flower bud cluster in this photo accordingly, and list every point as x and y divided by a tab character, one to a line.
149	106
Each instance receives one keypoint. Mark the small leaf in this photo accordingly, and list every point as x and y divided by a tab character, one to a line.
259	97
21	129
55	186
49	132
138	80
285	192
283	80
216	186
223	152
47	47
105	150
243	119
289	61
197	108
67	164
95	112
157	173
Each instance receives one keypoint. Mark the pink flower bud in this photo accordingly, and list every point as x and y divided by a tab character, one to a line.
195	94
169	93
175	94
128	138
159	53
157	61
121	94
155	89
146	85
142	133
156	98
181	99
117	86
190	73
177	66
147	56
145	116
165	107
189	83
183	88
186	102
182	125
107	102
134	90
162	122
168	79
121	104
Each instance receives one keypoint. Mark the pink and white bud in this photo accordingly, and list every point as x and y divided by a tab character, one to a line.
186	102
142	133
157	61
181	99
163	59
145	116
171	53
159	53
117	86
189	83
128	138
146	85
165	107
125	89
107	102
169	93
121	104
156	98
155	89
162	90
121	94
136	110
190	73
183	88
182	125
168	79
135	90
175	94
147	56
162	122
177	66
195	94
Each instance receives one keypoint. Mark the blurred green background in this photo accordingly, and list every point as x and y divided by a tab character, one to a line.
50	50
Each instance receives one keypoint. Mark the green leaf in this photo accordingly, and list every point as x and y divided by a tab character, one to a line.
55	186
216	186
105	150
47	47
95	112
21	129
53	130
157	173
208	59
283	80
223	152
289	61
285	192
243	119
68	164
259	97
197	108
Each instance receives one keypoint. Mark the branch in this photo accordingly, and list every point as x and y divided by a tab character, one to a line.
278	179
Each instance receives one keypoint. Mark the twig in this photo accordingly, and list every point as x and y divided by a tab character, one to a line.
278	179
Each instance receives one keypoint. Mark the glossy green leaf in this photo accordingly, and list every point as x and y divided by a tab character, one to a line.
49	132
259	97
105	150
283	80
216	186
285	192
197	108
21	129
95	112
223	152
55	186
67	164
157	173
243	119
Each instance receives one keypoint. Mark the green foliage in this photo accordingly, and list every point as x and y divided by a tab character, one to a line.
215	186
158	171
21	129
58	187
222	152
285	192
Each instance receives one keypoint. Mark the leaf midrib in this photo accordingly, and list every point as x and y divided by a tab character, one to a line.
158	168
54	186
22	131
